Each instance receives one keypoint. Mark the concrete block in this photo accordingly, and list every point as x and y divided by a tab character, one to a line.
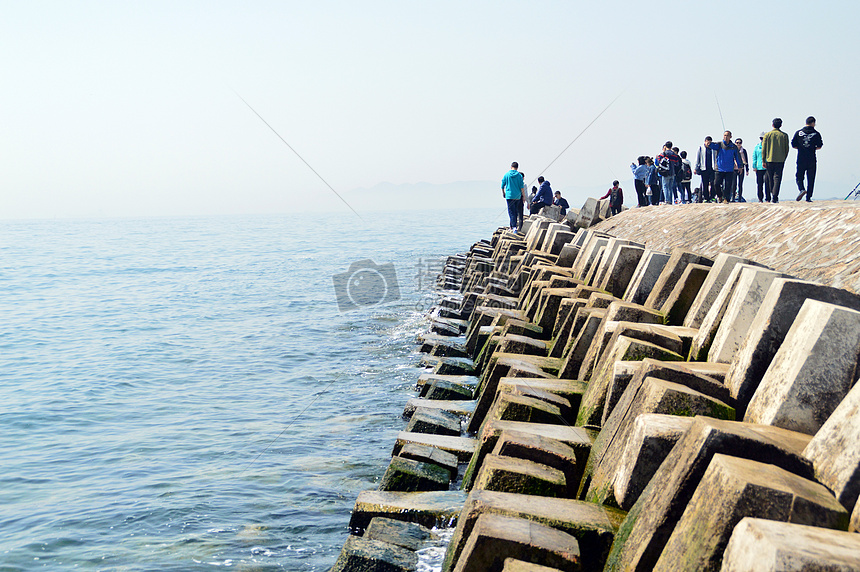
650	441
511	407
583	327
597	355
495	538
514	565
434	421
588	278
515	344
651	521
588	255
541	450
772	322
426	379
751	288
575	437
427	509
496	370
620	270
645	276
624	349
717	278
759	545
432	455
565	393
455	406
592	525
461	447
551	231
732	489
588	214
678	261
454	366
654	396
374	556
408	535
685	291
812	371
447	390
834	452
409	475
514	475
567	255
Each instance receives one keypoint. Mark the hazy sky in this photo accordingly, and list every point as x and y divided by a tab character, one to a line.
128	108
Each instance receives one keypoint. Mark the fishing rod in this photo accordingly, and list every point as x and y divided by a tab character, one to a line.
855	192
297	154
721	111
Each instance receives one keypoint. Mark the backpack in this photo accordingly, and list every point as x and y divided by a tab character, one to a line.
686	171
664	166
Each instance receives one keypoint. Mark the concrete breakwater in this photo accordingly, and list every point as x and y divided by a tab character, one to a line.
600	400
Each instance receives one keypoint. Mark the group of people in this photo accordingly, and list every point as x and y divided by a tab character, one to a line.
514	191
666	179
722	167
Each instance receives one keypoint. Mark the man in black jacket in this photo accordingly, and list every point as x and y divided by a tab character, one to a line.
807	141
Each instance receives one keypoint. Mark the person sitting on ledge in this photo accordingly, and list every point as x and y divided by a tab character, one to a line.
543	198
562	202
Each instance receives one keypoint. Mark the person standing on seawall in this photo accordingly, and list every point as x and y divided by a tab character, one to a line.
640	180
616	198
727	158
807	141
686	179
513	189
741	170
774	149
705	160
760	173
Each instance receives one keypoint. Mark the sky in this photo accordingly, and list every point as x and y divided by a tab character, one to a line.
127	109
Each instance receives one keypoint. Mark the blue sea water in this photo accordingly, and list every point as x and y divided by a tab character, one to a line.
185	394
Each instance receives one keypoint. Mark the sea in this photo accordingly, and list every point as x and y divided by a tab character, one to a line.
207	393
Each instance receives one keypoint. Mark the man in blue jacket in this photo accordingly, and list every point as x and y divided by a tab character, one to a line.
724	177
543	198
513	189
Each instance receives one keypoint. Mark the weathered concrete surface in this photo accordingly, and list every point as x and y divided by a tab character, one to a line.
592	525
513	475
811	372
514	565
653	436
811	241
759	545
409	475
717	278
678	261
549	452
433	455
368	555
406	534
834	452
427	509
461	447
650	522
434	421
495	538
645	276
732	489
684	293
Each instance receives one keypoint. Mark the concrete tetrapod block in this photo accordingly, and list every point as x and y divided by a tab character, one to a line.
649	524
439	508
565	393
834	452
408	475
456	349
495	371
759	545
652	437
588	214
772	322
409	535
576	438
542	450
751	288
374	556
513	475
717	278
455	406
514	344
812	371
732	489
580	340
511	407
454	366
624	349
426	379
645	276
495	538
514	565
592	525
447	390
568	255
461	447
685	291
620	270
678	261
435	421
588	256
654	396
595	266
432	455
561	330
